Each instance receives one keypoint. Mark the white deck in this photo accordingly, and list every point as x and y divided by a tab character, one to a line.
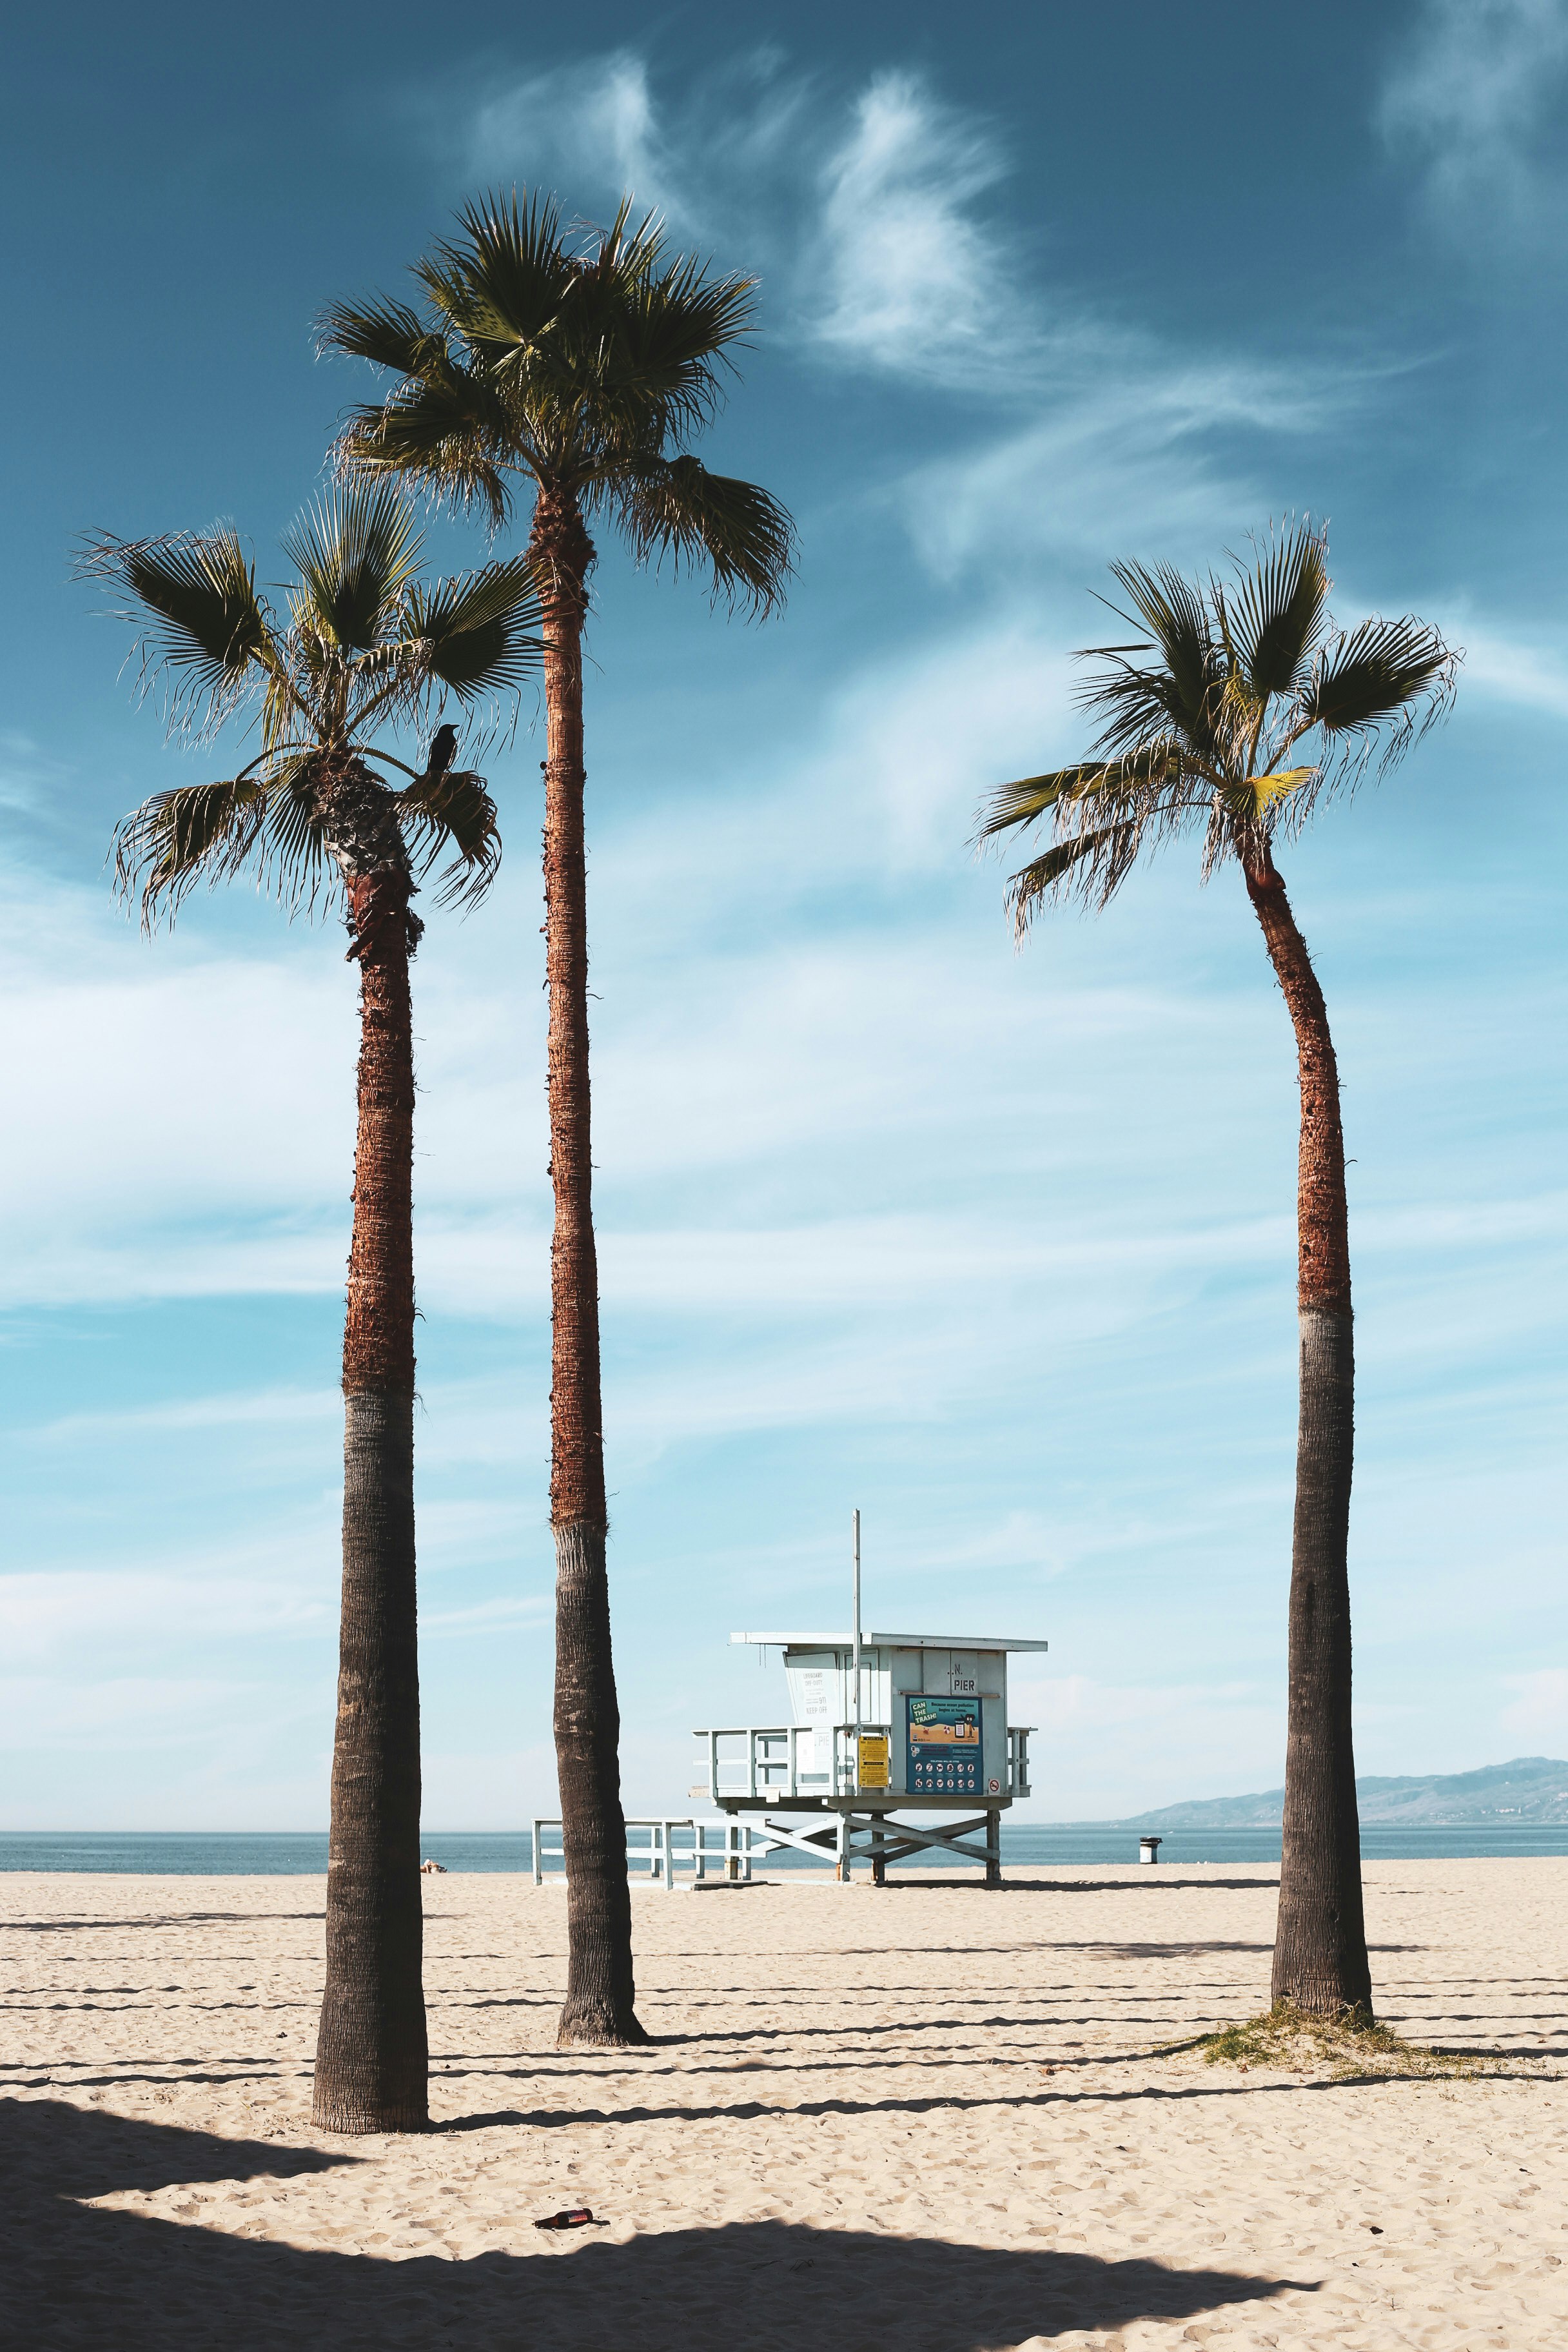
760	1764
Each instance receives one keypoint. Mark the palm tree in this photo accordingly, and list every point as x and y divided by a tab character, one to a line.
365	644
1197	721
580	367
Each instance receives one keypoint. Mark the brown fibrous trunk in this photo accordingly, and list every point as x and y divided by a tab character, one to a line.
1319	1954
371	2052
599	2008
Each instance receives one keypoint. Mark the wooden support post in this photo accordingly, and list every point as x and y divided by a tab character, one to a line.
844	1877
994	1849
879	1855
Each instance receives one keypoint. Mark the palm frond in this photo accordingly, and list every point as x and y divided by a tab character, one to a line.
212	833
1251	799
579	360
389	335
713	522
503	286
176	839
1091	866
355	550
1178	619
453	811
1239	674
1375	673
451	437
194	604
1137	705
1137	776
668	338
296	850
1276	614
478	635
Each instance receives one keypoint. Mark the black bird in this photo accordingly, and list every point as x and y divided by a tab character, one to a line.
443	751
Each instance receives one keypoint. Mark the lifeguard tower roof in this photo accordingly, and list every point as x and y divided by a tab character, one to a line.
885	1641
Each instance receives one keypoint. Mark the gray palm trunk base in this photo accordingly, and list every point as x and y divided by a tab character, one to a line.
601	1995
1320	1952
371	2050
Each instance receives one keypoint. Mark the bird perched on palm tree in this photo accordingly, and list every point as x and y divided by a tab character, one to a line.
365	646
578	370
1204	722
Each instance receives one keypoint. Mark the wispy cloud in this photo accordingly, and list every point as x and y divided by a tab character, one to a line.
247	1592
596	116
915	281
1132	446
1525	672
505	1614
1538	1711
1476	96
267	1408
1106	1748
877	215
30	780
131	1715
868	210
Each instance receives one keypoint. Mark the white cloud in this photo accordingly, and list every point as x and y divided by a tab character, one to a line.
1477	95
1107	1750
1537	1714
596	117
1530	676
241	1592
267	1408
1123	455
26	773
916	283
916	739
869	213
127	1715
195	1076
521	1613
867	210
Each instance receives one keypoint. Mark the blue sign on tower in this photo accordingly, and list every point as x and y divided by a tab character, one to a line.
944	1748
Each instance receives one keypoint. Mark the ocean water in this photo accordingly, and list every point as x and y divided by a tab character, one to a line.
199	1853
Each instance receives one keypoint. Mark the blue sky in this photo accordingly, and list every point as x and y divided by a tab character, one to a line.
997	1246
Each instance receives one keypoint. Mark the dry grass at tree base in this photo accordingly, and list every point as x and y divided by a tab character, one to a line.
1351	2045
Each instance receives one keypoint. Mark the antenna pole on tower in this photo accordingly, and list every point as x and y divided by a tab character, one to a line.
858	1705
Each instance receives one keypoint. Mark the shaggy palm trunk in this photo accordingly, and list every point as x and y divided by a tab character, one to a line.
1320	1951
599	2008
371	2050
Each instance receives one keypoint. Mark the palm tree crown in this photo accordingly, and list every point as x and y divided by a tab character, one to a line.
1201	725
1197	739
582	364
365	644
586	366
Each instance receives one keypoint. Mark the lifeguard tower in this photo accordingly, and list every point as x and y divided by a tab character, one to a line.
881	1724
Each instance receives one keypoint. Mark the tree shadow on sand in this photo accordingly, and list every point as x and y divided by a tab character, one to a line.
83	2280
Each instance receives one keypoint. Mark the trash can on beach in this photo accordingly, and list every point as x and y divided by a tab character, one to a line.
1149	1849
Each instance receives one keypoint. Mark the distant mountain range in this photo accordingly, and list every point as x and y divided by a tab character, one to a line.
1531	1789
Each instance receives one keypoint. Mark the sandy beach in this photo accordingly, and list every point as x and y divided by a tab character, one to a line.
928	2117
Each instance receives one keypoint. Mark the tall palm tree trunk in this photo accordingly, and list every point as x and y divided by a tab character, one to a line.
600	2005
371	2049
1320	1950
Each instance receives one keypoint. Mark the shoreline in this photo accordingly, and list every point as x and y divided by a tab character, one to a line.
1026	1848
